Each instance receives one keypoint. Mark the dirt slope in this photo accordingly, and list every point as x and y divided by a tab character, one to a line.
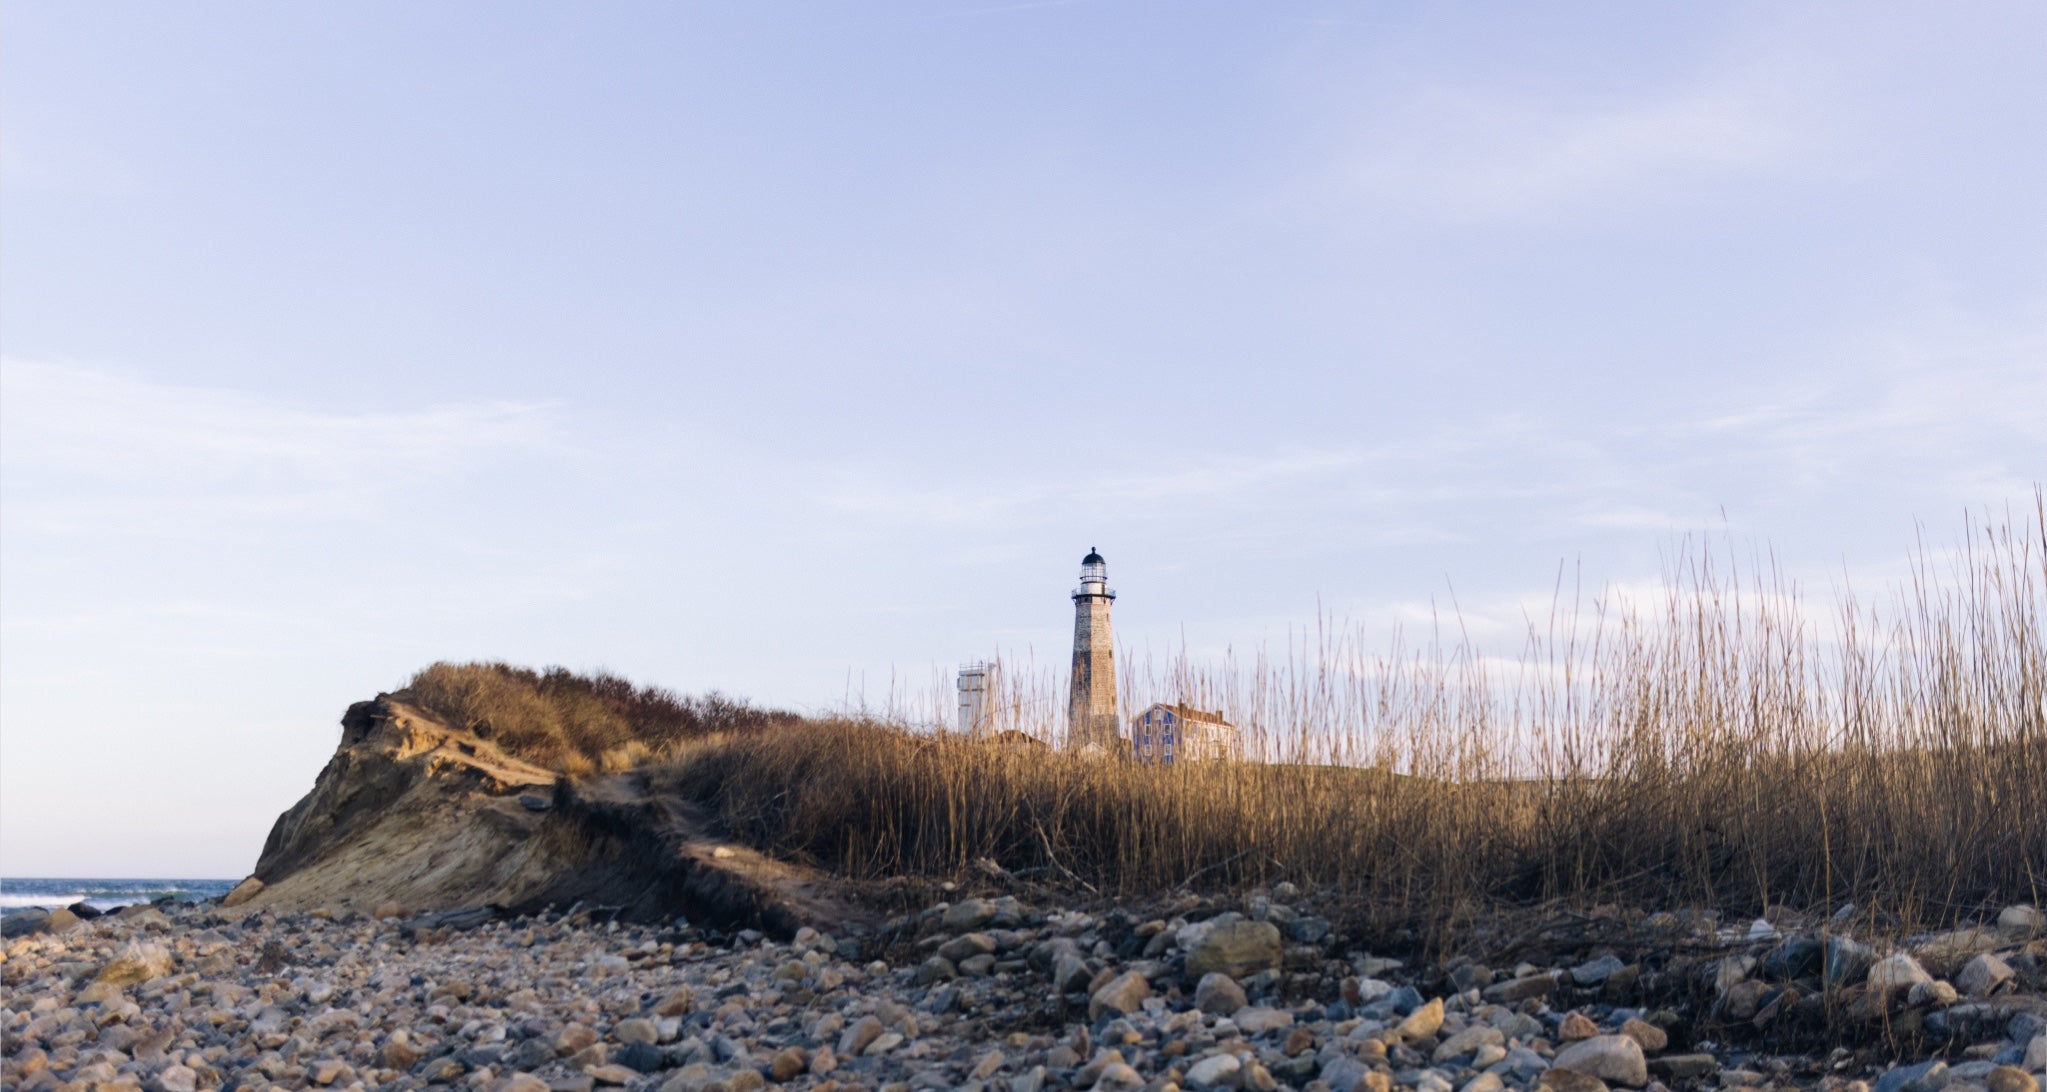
413	812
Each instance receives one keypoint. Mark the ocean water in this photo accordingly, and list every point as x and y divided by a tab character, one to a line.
17	893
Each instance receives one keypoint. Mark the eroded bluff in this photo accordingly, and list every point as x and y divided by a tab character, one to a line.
413	812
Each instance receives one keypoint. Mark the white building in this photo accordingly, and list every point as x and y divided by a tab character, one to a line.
1180	733
978	683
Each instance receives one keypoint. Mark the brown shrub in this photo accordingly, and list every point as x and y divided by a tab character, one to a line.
576	723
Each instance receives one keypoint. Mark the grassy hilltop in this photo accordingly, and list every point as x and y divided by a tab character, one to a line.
1723	751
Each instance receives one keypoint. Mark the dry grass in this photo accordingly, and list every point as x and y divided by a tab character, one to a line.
1722	747
577	724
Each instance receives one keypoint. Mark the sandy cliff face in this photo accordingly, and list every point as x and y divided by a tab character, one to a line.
412	812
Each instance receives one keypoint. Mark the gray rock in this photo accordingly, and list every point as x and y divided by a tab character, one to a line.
1069	972
1797	957
1614	1058
1981	976
1219	994
1344	1074
967	946
1923	1077
1308	929
1847	961
1931	993
1471	976
967	915
22	922
643	1057
1522	1064
858	1035
533	801
1428	1080
1596	971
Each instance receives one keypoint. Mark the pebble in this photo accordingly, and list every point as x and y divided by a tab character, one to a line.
182	1000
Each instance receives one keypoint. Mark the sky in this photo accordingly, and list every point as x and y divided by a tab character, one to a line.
800	350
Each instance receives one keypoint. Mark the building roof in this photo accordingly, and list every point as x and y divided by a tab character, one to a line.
1188	712
1092	558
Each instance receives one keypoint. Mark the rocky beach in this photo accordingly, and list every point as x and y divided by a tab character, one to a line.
1010	994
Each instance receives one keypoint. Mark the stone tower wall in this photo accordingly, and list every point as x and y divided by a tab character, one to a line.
1091	711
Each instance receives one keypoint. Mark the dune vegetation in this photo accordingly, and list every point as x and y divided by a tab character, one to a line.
1716	741
577	723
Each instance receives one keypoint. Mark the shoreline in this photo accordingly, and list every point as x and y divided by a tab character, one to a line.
103	893
1252	993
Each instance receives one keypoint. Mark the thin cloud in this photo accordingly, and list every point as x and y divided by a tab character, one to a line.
1485	152
88	449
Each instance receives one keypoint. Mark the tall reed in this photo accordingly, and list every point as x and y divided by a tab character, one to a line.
1715	741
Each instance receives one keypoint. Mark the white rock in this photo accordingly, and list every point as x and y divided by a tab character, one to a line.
1894	973
1373	989
1614	1058
2023	919
1213	1070
1257	1021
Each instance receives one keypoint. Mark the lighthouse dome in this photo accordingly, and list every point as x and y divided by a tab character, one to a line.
1092	558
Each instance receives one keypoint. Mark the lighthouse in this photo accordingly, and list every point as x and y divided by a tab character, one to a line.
1091	717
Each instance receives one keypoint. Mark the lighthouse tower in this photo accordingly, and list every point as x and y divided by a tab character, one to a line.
1091	710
